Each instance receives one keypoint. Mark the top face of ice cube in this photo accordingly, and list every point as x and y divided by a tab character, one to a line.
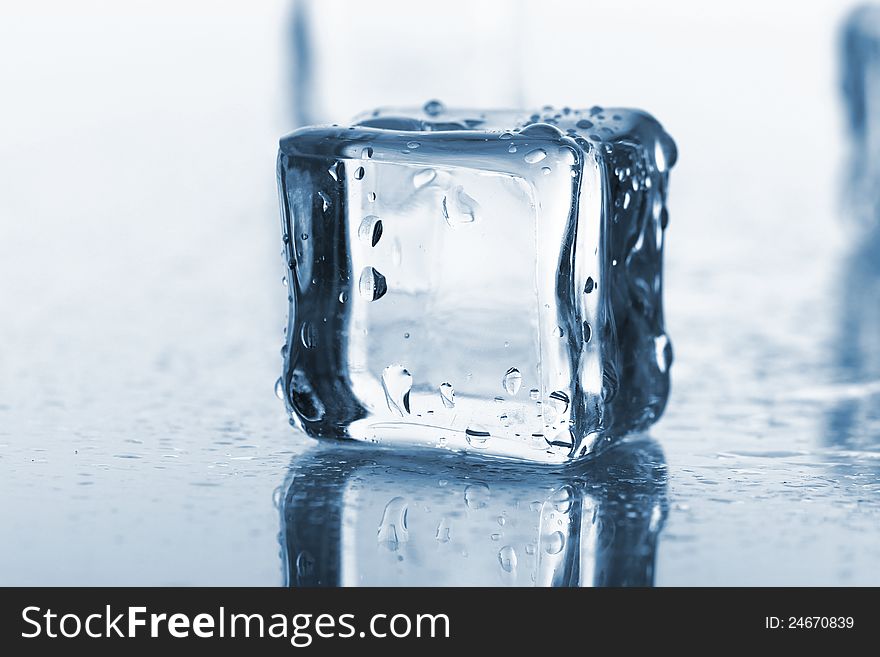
594	129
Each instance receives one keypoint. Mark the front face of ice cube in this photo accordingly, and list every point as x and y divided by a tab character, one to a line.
447	289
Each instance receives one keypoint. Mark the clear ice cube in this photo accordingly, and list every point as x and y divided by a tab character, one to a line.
477	281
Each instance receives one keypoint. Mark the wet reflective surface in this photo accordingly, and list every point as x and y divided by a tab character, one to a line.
140	439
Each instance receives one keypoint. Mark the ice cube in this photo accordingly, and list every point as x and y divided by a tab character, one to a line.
513	258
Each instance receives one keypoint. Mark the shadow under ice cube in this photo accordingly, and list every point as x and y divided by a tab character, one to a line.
488	282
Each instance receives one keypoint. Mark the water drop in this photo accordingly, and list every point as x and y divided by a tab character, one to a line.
554	543
304	236
511	149
589	285
434	108
444	530
343	297
534	393
325	201
535	156
477	436
507	559
562	499
367	152
308	335
371	197
447	395
279	389
545	171
459	207
305	566
502	520
359	173
370	230
372	284
531	548
476	496
663	352
284	281
588	332
512	381
559	400
334	171
397	383
412	145
393	529
583	124
505	135
558	332
423	177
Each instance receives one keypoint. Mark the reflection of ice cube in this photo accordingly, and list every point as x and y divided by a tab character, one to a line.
489	253
861	85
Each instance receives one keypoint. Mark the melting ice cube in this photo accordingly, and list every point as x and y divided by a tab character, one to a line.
481	252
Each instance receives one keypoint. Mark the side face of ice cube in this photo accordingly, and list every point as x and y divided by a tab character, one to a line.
487	284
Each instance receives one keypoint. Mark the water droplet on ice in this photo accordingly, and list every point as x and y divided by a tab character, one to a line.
554	543
588	332
305	565
397	383
412	145
370	230
393	529
423	177
359	173
531	548
558	332
459	207
507	559
512	381
444	530
367	152
279	389
583	124
308	335
434	108
545	171
562	499
477	436
589	285
534	393
372	284
325	201
447	394
511	149
559	400
535	156
662	351
476	496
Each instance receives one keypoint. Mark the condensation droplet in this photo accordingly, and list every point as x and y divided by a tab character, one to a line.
545	171
590	285
558	332
554	543
507	559
559	400
308	335
477	436
534	393
393	528
663	352
447	395
412	145
325	201
444	530
588	332
367	152
279	389
562	499
397	383
370	230
476	496
359	173
512	381
459	207
372	285
511	148
434	108
583	124
535	156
